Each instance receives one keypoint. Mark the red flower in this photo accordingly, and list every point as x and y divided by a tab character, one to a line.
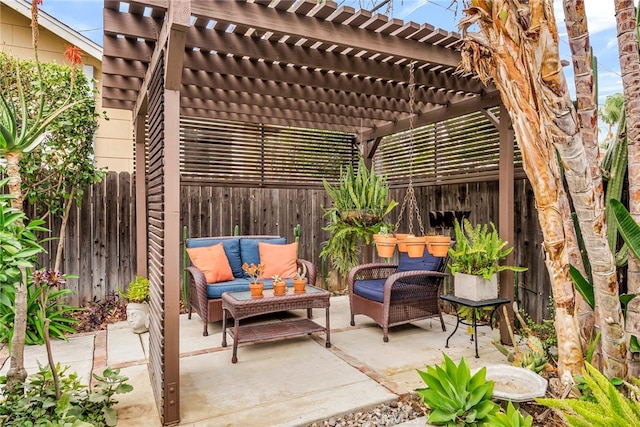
72	53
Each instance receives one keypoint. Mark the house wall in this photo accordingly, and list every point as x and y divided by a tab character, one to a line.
114	137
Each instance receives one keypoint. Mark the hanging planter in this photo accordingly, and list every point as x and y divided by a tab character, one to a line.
438	246
401	237
415	246
385	245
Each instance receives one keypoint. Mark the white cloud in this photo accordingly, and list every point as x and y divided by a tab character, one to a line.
600	15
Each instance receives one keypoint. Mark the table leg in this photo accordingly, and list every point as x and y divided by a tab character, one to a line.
236	328
327	331
224	327
455	307
475	330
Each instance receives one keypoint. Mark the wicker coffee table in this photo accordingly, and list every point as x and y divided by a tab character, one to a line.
240	306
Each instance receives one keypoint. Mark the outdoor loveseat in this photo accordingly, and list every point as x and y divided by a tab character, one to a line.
395	294
225	273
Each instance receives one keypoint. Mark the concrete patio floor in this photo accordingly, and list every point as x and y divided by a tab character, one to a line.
291	382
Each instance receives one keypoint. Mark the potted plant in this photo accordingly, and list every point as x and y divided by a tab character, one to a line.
254	272
279	286
360	203
385	242
475	261
300	281
137	295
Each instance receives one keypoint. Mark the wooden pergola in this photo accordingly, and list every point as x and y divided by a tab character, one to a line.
297	63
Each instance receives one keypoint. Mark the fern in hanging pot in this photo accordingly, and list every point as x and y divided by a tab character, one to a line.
360	203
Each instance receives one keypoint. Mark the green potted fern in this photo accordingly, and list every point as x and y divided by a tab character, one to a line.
475	259
360	203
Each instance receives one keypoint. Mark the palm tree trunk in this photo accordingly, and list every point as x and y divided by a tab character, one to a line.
17	374
629	63
577	29
518	47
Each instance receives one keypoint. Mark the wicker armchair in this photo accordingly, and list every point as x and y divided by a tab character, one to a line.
392	296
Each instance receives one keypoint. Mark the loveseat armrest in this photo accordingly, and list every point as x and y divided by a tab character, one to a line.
311	270
197	291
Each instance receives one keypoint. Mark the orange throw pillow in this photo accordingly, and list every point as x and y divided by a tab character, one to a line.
212	261
278	259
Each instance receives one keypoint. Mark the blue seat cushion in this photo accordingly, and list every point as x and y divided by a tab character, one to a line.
215	290
231	250
426	262
371	289
249	252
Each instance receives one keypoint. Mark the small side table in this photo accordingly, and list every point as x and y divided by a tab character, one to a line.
495	303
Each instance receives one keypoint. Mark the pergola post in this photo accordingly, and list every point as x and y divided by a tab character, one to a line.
505	212
141	197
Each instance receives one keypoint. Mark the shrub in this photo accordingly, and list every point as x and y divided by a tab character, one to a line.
35	403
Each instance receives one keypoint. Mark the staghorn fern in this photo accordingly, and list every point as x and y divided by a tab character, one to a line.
611	407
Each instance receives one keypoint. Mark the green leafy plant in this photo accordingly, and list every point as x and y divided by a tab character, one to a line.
455	397
609	407
478	251
511	418
360	203
137	292
35	402
58	313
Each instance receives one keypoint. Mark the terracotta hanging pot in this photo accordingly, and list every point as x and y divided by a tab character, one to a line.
279	288
256	289
439	245
415	246
385	246
402	247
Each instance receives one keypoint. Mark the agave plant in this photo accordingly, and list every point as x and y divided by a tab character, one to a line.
455	397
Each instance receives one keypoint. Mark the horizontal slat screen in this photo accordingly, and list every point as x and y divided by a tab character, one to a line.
233	153
465	148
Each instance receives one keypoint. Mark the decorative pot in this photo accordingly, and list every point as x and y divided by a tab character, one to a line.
415	246
385	245
299	286
402	247
256	289
438	246
138	316
475	288
279	289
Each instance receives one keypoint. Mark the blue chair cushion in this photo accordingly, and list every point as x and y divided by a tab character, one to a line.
231	249
371	289
427	262
249	250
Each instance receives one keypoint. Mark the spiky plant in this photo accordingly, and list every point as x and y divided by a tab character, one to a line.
455	397
609	406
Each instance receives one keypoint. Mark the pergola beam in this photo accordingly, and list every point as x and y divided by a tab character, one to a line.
439	114
273	20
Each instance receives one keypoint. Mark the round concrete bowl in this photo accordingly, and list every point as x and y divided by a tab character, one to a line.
515	384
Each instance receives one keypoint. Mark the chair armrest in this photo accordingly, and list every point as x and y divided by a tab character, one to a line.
311	271
197	285
377	270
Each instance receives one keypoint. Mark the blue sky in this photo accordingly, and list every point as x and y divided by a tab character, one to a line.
86	16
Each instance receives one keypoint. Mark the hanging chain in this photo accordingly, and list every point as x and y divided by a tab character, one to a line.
410	196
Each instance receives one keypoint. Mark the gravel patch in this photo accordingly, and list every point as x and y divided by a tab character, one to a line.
384	415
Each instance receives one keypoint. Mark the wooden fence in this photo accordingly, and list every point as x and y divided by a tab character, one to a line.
100	239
